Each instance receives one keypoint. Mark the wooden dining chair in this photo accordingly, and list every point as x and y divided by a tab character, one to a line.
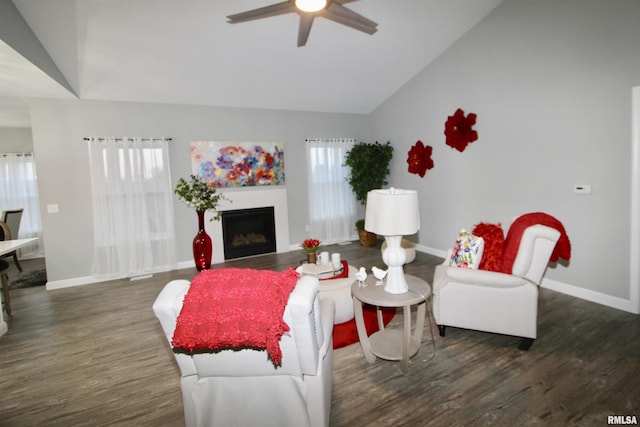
12	219
5	234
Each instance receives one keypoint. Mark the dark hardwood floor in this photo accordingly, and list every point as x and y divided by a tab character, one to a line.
95	355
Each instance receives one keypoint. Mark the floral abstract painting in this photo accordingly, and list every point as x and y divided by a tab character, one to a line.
238	164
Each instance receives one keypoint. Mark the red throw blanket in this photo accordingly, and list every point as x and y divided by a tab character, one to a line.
236	309
512	241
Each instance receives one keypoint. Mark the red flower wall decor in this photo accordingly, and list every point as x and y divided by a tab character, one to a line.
419	159
458	130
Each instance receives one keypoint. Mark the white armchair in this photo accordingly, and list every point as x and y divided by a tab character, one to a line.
496	302
242	388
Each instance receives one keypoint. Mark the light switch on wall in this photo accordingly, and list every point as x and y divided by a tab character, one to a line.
582	189
54	208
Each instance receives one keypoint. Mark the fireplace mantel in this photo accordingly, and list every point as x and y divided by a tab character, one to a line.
248	198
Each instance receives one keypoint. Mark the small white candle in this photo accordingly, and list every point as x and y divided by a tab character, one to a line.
335	260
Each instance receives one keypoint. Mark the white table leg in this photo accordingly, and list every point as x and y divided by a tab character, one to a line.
417	334
406	339
362	331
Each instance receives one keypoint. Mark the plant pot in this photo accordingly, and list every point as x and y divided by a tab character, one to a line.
367	238
202	246
311	257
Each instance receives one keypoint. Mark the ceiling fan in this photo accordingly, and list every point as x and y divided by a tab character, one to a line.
308	11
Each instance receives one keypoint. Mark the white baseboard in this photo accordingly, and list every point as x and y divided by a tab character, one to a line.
69	283
565	288
588	295
90	280
3	328
186	264
431	251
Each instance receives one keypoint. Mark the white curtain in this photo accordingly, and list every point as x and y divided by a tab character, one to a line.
19	189
132	207
333	208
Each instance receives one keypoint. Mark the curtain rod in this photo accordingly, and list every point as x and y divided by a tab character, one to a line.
330	139
26	154
130	139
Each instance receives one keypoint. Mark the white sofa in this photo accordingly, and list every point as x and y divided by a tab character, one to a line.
242	387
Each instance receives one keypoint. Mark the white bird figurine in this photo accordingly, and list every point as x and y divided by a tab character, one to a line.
379	274
361	276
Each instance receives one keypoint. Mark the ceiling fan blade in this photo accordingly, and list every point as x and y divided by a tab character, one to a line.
262	12
338	13
305	27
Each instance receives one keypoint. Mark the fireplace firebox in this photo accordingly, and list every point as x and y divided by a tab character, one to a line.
247	232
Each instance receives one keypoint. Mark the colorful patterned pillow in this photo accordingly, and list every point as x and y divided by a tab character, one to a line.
467	251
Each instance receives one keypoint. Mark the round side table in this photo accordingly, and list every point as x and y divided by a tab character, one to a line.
391	344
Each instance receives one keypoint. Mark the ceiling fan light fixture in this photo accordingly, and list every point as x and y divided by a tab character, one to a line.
310	5
308	10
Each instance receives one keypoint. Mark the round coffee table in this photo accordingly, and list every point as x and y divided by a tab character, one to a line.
340	291
391	344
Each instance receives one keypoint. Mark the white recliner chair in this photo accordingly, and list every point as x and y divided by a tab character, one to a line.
492	301
242	387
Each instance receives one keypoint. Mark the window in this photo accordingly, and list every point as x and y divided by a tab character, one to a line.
133	210
19	189
332	205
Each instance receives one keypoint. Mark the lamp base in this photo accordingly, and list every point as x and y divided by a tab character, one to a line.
395	282
394	256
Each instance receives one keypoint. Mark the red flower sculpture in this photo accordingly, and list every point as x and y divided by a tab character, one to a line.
419	159
458	130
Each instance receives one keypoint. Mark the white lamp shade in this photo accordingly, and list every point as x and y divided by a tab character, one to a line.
392	212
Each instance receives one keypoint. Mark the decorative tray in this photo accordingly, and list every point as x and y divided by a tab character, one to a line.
321	271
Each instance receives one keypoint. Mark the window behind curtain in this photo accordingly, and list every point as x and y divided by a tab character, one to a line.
333	208
19	189
132	207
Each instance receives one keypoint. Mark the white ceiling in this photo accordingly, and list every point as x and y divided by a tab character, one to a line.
184	52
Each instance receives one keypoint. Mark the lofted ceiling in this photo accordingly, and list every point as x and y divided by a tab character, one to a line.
185	52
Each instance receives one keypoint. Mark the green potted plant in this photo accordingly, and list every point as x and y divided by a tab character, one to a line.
369	164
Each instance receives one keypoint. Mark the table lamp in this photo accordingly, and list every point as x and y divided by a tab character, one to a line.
393	213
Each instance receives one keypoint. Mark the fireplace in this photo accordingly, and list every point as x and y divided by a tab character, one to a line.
247	232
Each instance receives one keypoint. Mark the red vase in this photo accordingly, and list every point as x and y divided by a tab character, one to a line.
202	247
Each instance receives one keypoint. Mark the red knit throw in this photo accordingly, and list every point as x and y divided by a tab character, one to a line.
512	241
236	309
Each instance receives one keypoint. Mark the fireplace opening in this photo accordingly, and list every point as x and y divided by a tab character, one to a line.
247	232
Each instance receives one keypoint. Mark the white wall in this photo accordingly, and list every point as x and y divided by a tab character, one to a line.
15	140
551	84
59	127
634	251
